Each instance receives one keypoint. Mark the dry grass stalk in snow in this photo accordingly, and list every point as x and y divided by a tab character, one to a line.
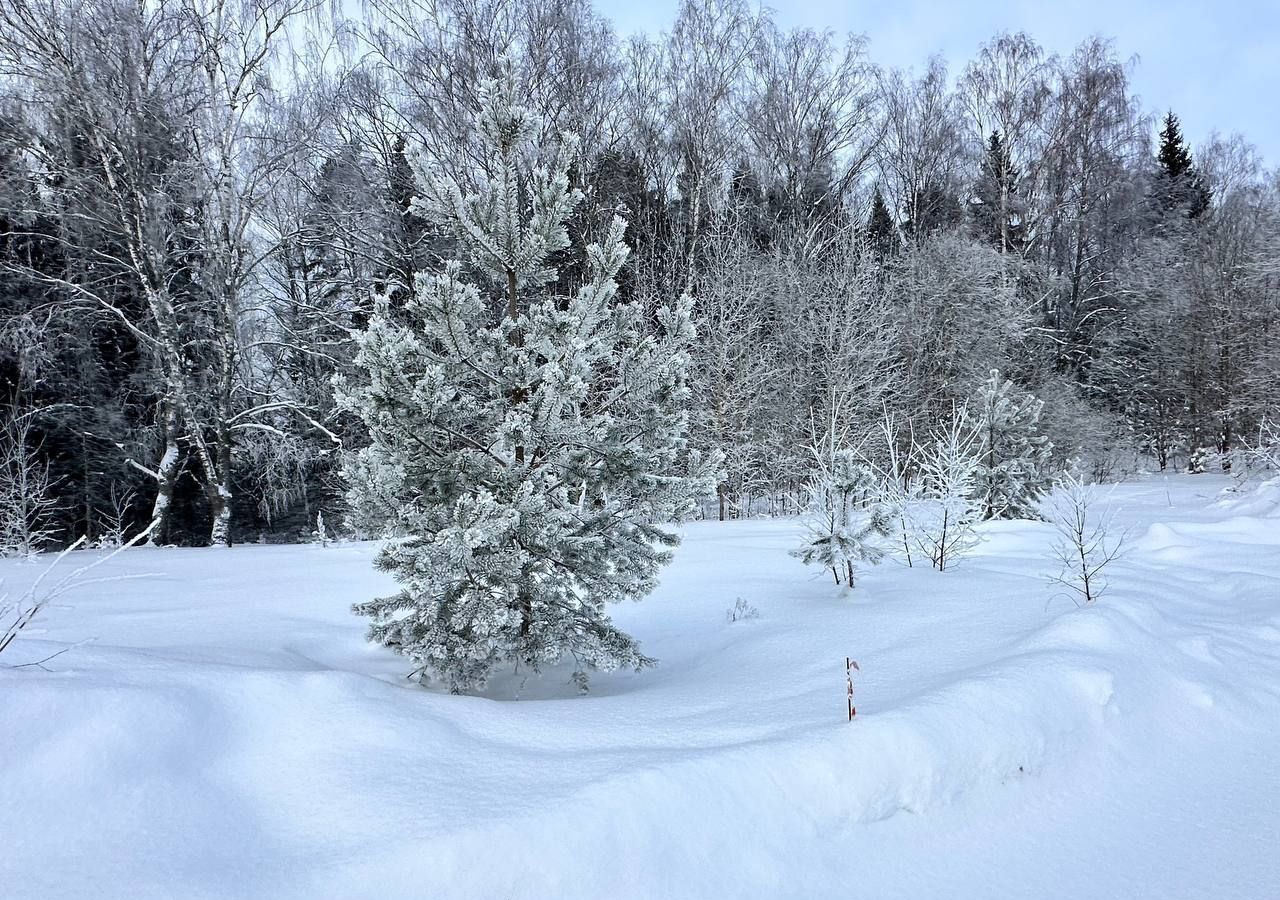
16	615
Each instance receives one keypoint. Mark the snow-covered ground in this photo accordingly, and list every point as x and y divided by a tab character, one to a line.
226	731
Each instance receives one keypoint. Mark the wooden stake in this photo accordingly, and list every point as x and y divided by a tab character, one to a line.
849	666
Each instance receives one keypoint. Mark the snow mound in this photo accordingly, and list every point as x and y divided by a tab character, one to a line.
1262	501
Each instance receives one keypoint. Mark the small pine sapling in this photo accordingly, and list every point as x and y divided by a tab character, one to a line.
1086	540
1013	456
847	524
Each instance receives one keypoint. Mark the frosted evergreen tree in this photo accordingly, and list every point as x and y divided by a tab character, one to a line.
847	521
1013	456
528	446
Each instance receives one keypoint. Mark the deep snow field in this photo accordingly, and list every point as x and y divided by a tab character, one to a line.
225	731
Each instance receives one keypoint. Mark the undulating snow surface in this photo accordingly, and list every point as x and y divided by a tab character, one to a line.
226	731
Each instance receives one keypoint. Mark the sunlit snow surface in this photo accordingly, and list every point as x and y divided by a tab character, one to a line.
226	731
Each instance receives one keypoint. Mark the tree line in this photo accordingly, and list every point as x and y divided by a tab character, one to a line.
204	202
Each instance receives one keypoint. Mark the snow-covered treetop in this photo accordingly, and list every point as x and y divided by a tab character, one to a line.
506	237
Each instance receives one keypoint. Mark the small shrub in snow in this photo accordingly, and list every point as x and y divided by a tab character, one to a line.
1209	459
16	614
846	521
1082	434
741	612
321	534
945	509
898	486
926	494
27	501
1111	464
1266	449
113	520
1014	458
1086	540
1257	456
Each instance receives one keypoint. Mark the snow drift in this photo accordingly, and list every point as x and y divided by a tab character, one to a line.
227	732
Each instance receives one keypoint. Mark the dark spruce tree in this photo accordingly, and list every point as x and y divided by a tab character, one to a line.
412	243
882	235
1178	188
996	210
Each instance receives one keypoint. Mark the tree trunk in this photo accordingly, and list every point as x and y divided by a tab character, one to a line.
219	497
518	396
218	490
218	478
166	478
86	492
516	340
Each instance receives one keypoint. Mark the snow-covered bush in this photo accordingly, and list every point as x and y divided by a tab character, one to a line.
27	499
847	521
113	519
321	534
1257	456
1013	456
943	509
897	484
1086	540
1099	443
529	446
1262	452
924	491
1209	459
741	611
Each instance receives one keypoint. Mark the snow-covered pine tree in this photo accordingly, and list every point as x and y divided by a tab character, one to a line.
1013	456
528	446
847	521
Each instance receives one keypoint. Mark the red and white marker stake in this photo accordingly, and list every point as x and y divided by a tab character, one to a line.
849	666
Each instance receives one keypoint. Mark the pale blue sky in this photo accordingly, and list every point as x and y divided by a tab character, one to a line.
1216	64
